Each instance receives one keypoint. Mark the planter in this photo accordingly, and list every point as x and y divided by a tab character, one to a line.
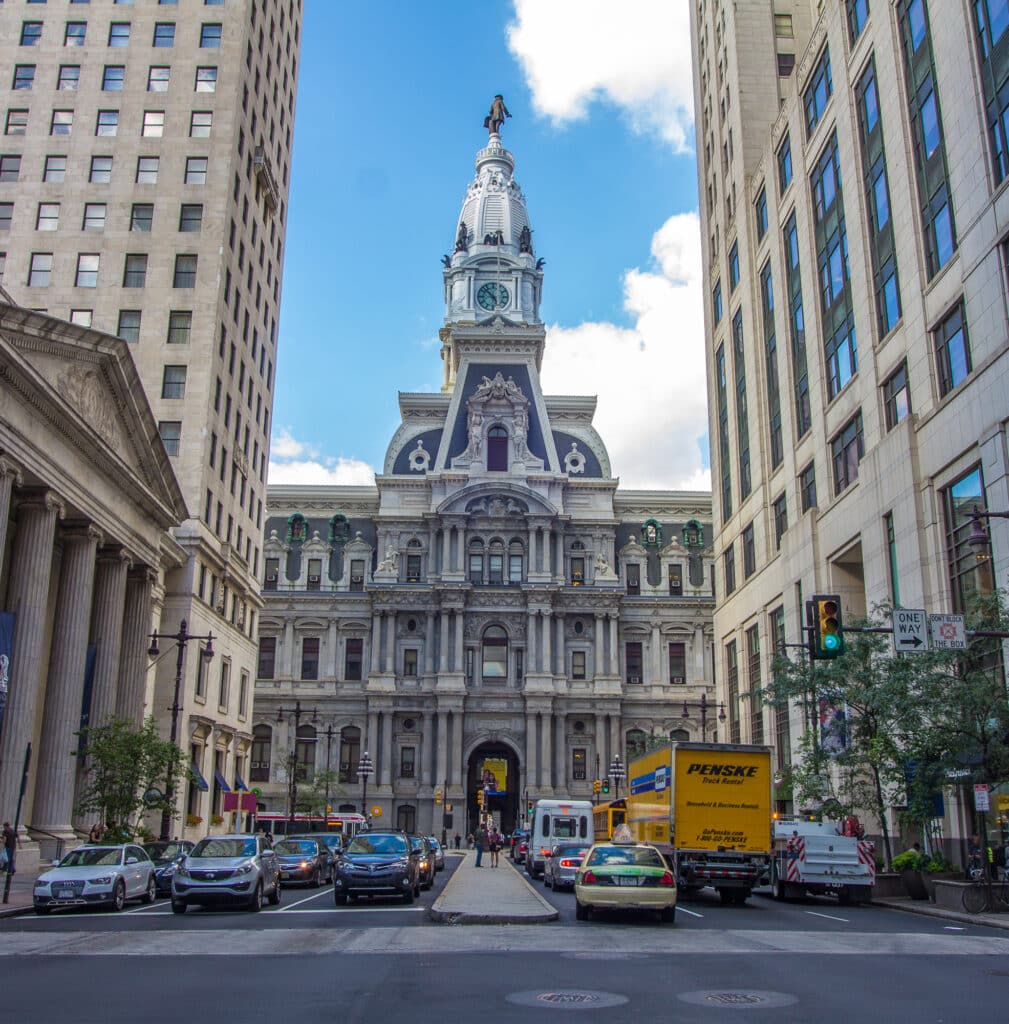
887	885
914	885
931	877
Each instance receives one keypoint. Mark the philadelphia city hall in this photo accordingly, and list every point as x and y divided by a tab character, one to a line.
494	607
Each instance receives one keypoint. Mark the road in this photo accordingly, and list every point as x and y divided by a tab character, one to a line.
310	960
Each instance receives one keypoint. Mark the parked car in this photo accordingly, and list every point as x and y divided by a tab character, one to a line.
520	849
304	860
377	864
439	853
620	876
96	875
333	841
233	869
514	840
561	866
167	857
425	864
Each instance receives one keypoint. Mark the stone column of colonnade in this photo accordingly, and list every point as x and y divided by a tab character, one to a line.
427	749
532	767
614	647
456	766
10	477
107	631
52	810
133	661
376	642
384	766
598	668
441	766
27	598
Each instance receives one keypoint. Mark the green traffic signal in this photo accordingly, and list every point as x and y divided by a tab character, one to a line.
828	633
606	785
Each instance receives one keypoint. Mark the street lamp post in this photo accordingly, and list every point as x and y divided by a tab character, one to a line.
329	756
292	762
181	639
703	706
364	770
617	773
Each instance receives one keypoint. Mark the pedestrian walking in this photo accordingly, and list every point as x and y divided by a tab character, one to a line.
458	840
479	838
494	843
444	839
96	832
10	845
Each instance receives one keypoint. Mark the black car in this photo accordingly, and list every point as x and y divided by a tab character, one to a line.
378	864
333	840
304	860
166	857
425	865
518	842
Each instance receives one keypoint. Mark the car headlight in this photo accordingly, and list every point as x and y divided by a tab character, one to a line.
304	864
182	871
104	880
343	867
41	883
246	868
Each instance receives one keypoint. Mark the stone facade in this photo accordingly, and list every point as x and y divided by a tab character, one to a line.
495	603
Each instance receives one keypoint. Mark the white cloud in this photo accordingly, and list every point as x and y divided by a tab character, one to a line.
294	462
650	378
634	54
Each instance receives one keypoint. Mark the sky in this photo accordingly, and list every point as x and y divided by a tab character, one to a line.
391	100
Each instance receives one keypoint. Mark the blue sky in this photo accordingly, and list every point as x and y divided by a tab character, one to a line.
391	100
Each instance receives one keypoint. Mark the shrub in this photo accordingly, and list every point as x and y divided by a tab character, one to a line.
909	860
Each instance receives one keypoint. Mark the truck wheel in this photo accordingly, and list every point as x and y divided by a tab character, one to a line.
739	897
725	895
779	889
844	896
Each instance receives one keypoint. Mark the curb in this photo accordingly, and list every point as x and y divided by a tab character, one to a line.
978	920
13	911
434	913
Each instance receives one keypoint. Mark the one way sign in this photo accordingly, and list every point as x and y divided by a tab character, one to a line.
910	631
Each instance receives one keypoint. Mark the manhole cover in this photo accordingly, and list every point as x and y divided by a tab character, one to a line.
738	999
568	999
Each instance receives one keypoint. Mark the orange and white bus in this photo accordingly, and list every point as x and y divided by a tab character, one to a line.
280	824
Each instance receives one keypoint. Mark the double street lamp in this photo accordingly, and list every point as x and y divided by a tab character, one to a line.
702	705
365	769
293	765
206	652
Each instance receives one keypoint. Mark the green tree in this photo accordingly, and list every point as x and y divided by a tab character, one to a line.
123	764
312	799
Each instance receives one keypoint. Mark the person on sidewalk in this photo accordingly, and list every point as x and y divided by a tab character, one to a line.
10	845
494	842
478	840
458	840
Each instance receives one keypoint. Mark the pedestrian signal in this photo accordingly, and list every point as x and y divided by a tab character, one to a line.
828	633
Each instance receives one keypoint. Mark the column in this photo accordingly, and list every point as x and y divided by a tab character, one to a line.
532	768
601	745
443	568
332	650
107	631
443	645
616	746
287	657
530	665
385	767
427	748
27	598
460	550
560	753
371	741
533	560
656	654
57	767
10	476
458	667
429	644
614	647
548	652
598	668
133	663
545	552
442	761
376	642
390	643
458	718
560	649
697	654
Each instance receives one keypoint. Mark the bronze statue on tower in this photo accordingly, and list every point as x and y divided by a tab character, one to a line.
498	112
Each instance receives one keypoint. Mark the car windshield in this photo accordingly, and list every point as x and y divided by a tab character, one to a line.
639	856
435	845
416	842
565	828
164	851
296	848
225	848
377	844
93	856
571	851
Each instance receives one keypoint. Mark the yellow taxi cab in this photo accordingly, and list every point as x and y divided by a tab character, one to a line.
621	874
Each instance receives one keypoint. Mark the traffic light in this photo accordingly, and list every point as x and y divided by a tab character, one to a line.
437	796
596	786
530	805
480	799
828	632
606	787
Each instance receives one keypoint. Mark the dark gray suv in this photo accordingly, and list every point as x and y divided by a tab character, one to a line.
377	864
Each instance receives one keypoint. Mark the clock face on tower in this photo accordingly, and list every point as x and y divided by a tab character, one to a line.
492	296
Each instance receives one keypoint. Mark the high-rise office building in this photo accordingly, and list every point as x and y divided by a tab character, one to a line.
852	170
144	174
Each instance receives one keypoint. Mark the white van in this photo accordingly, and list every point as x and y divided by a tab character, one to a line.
557	821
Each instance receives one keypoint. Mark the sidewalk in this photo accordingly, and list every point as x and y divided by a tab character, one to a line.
496	896
20	894
926	909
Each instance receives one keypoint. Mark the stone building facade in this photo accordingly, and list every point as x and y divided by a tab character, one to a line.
495	607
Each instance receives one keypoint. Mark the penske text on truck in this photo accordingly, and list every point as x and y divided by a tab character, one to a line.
707	806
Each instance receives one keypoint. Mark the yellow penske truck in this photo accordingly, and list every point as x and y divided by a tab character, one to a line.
707	806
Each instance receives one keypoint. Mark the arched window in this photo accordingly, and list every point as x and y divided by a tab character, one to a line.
497	449
414	553
516	553
350	752
259	767
304	753
679	736
636	742
495	562
495	653
476	560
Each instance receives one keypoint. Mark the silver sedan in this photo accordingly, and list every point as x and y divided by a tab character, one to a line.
96	875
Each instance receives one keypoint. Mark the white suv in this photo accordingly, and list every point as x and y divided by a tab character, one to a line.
235	869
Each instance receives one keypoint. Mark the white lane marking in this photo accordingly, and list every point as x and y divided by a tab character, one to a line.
145	906
314	896
829	917
952	928
367	910
683	910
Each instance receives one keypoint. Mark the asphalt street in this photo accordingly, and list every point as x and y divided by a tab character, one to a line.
310	960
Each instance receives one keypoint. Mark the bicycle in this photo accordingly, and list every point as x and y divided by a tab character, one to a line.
985	894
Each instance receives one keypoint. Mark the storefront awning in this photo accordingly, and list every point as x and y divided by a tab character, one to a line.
198	780
221	782
240	783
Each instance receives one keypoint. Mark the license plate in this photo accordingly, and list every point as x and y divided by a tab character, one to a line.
285	874
626	880
65	894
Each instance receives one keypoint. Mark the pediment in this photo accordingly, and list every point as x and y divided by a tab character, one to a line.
497	500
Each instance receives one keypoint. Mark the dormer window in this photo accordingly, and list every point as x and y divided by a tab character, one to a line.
633	579
497	450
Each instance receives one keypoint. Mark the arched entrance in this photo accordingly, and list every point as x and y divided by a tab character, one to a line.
493	765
